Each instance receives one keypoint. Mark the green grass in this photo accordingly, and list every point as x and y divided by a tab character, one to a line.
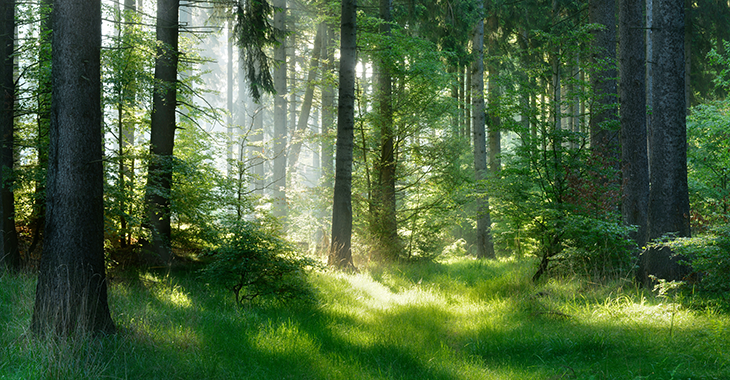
462	319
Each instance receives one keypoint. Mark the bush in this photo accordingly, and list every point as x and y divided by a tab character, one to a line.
255	261
709	257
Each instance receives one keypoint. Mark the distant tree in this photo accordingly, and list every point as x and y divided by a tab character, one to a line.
341	244
635	164
280	107
71	295
9	255
485	245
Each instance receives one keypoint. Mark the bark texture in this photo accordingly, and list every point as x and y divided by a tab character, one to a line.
71	295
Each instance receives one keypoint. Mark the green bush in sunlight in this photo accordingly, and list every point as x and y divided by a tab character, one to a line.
254	260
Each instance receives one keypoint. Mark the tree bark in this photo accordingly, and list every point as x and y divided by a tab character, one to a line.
668	194
341	244
635	164
162	129
485	246
71	295
10	255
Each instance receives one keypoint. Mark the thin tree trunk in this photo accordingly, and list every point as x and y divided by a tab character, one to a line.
485	246
385	223
298	134
71	294
341	248
280	115
162	129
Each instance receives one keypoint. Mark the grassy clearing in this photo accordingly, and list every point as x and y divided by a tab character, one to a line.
462	319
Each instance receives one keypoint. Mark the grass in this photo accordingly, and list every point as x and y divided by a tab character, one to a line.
462	319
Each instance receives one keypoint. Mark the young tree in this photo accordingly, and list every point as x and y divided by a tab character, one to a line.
9	254
162	128
341	249
635	165
485	245
71	295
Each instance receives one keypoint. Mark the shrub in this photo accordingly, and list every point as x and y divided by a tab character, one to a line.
709	256
254	260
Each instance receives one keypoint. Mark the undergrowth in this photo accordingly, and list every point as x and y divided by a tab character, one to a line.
458	319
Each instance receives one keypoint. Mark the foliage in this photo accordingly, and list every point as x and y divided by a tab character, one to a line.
254	260
708	162
709	256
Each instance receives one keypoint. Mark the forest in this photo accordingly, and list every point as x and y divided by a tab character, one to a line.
362	189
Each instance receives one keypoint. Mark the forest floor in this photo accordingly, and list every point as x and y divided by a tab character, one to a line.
457	319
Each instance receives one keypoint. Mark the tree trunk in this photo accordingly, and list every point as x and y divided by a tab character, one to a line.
280	106
298	135
668	194
71	295
10	255
229	121
494	133
162	129
635	165
384	224
341	249
485	246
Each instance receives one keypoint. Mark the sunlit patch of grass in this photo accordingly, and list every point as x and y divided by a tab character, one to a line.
462	319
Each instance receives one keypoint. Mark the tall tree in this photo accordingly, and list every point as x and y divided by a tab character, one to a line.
71	295
280	104
635	164
668	194
162	128
485	245
8	235
341	244
385	225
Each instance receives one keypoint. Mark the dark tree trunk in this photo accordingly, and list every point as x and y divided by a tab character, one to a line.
485	246
494	134
162	130
635	165
668	195
280	106
341	250
71	295
10	255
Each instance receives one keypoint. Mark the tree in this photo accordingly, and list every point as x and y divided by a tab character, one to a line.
384	221
341	244
280	104
9	254
162	129
485	245
71	295
603	128
635	165
668	194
